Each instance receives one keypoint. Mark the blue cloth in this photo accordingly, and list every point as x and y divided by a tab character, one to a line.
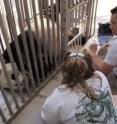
104	38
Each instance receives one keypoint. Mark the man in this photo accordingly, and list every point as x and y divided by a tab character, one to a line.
110	62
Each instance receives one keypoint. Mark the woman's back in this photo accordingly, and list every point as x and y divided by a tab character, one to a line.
74	107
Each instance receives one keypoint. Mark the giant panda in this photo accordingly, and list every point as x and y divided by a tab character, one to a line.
47	67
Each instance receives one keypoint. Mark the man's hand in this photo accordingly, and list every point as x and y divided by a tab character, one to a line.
103	49
92	49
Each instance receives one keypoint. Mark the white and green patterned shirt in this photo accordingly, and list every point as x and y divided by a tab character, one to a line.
64	106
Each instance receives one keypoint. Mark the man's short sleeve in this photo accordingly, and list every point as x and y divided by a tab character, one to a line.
111	56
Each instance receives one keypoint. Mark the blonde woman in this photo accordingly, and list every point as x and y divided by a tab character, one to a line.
84	96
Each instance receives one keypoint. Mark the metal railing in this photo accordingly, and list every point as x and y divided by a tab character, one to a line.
78	23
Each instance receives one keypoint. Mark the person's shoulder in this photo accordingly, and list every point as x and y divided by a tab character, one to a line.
57	93
97	78
53	99
99	73
103	78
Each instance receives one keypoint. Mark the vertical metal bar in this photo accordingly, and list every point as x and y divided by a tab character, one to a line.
71	3
58	29
75	16
94	16
30	8
78	16
88	17
48	31
43	4
2	116
1	44
64	36
70	14
91	16
22	11
11	20
20	21
68	3
38	40
71	19
11	10
95	2
73	12
31	44
82	13
84	16
9	29
53	32
86	4
69	22
11	58
42	28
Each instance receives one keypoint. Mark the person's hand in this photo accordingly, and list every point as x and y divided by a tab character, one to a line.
104	46
92	49
103	49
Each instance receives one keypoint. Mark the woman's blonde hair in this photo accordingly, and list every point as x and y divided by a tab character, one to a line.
76	70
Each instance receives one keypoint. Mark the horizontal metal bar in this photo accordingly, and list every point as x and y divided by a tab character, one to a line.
75	37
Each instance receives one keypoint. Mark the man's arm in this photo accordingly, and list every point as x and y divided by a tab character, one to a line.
101	65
